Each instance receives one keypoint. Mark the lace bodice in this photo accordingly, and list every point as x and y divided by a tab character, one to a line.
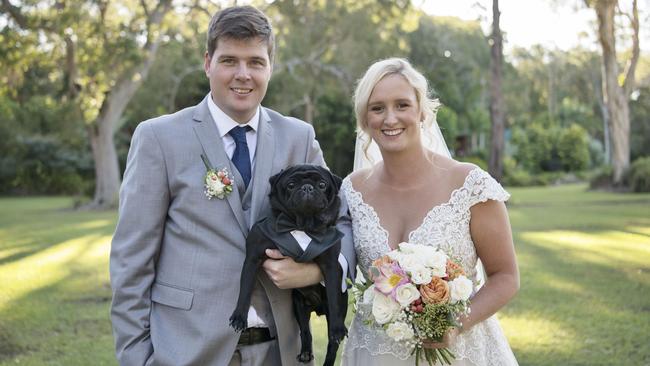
446	226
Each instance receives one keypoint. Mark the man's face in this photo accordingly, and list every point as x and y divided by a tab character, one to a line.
239	73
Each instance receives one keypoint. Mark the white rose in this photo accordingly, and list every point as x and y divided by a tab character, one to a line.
410	262
369	295
461	289
421	275
435	260
406	294
400	331
384	309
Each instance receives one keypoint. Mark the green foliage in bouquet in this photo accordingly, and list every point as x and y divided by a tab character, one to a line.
432	323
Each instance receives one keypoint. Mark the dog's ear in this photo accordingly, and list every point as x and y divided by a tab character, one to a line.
274	178
337	181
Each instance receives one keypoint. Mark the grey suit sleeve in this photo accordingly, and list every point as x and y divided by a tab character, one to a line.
144	200
344	225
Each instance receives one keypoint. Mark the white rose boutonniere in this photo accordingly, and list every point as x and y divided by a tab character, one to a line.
218	183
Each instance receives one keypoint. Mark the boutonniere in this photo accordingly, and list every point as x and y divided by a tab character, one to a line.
218	183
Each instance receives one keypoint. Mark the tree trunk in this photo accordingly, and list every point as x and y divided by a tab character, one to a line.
107	171
497	112
309	108
615	94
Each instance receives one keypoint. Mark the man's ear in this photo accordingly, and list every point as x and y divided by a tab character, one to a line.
206	63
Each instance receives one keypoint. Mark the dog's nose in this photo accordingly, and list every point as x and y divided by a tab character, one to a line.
307	188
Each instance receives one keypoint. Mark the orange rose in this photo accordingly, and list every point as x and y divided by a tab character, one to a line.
381	261
436	292
454	270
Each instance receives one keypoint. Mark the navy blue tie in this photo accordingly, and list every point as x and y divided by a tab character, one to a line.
241	158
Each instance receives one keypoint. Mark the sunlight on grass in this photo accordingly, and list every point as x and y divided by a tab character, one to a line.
597	247
532	330
51	265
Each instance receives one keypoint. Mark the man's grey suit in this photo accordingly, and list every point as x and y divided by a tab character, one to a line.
176	256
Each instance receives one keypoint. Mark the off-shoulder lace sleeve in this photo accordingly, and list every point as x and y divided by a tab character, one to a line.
482	187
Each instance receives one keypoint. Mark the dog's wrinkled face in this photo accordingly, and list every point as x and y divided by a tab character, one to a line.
306	191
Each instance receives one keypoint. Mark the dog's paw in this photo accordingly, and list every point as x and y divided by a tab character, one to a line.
238	321
337	334
305	357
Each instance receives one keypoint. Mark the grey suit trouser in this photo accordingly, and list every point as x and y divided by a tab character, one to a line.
261	354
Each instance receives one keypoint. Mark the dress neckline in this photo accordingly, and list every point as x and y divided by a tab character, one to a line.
424	220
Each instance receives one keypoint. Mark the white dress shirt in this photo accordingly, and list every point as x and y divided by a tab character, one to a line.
225	124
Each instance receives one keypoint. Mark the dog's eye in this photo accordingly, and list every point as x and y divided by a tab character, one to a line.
291	185
322	185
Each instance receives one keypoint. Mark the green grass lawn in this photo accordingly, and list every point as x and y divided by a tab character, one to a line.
584	300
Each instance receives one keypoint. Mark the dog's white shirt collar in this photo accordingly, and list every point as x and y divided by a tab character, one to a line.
304	240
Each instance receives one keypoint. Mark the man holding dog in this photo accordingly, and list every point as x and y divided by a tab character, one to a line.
195	182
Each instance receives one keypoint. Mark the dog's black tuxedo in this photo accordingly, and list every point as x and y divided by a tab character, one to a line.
303	198
279	229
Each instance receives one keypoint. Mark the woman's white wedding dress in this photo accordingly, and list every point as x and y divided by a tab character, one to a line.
446	226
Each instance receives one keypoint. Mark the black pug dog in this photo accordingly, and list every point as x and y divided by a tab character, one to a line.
305	198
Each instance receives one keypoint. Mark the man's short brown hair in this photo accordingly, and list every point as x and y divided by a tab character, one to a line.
240	23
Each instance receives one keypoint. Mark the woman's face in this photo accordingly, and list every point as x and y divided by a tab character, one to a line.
393	114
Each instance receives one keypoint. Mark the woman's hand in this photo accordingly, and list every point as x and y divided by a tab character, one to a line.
447	340
287	273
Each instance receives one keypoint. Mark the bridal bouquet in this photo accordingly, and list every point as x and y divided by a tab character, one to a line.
416	293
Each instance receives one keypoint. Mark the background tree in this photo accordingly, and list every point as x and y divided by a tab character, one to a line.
616	87
105	50
497	105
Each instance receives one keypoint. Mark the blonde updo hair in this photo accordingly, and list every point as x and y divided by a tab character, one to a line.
376	73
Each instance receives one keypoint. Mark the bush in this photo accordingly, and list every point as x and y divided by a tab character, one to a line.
639	175
513	175
540	148
44	165
517	178
535	147
573	148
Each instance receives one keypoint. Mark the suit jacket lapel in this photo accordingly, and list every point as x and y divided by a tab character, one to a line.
208	134
263	164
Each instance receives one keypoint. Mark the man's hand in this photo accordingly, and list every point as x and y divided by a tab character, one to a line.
287	273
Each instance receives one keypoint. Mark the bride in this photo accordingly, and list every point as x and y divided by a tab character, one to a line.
412	194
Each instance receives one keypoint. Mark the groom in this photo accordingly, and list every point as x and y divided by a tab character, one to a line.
178	248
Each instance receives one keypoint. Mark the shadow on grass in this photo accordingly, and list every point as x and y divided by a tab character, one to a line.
8	346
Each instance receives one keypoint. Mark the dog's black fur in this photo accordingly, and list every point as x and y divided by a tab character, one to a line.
303	197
